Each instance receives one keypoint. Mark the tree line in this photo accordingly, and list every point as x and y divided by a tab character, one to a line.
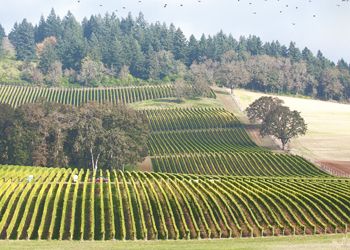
55	135
106	49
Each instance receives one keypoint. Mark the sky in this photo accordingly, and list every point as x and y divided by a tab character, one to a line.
317	24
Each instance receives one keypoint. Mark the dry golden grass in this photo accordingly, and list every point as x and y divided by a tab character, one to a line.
328	135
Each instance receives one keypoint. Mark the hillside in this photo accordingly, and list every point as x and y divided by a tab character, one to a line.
210	180
130	205
328	135
159	125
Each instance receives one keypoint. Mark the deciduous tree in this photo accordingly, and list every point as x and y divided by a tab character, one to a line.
283	124
260	108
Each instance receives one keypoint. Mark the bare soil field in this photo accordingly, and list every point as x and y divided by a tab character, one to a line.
339	167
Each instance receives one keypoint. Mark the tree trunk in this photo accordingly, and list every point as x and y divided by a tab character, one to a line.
92	159
96	163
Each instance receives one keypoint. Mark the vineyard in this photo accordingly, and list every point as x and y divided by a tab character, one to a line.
18	95
212	141
210	180
140	205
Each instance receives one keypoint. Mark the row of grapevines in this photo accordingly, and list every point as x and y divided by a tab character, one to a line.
18	95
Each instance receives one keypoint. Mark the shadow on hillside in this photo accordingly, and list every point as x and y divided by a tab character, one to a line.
168	100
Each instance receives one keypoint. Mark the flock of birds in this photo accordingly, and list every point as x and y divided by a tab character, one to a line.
165	5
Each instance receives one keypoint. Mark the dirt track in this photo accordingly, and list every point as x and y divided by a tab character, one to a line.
231	105
340	167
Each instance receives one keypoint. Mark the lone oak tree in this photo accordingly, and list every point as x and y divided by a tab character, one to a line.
276	120
283	124
260	108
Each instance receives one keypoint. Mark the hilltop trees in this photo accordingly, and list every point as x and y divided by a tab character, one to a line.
276	120
92	72
2	35
55	135
22	37
47	53
157	52
2	32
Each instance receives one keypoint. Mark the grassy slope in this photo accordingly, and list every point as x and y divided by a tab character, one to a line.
173	103
229	104
328	133
299	242
9	66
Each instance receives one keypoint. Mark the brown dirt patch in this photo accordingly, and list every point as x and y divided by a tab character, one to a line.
266	141
338	168
146	165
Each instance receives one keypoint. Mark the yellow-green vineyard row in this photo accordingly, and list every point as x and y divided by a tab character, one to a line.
213	141
190	118
138	205
18	95
239	164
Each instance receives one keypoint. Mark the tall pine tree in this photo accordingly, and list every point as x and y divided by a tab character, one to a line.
72	45
2	35
22	37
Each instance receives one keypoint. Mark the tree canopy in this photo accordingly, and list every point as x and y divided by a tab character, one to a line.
2	35
155	52
260	108
55	135
276	120
283	124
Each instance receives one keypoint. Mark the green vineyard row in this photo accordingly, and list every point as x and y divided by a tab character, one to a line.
18	95
212	141
141	205
238	164
196	141
190	118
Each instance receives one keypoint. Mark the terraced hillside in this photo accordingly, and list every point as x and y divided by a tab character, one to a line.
137	205
213	141
18	95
